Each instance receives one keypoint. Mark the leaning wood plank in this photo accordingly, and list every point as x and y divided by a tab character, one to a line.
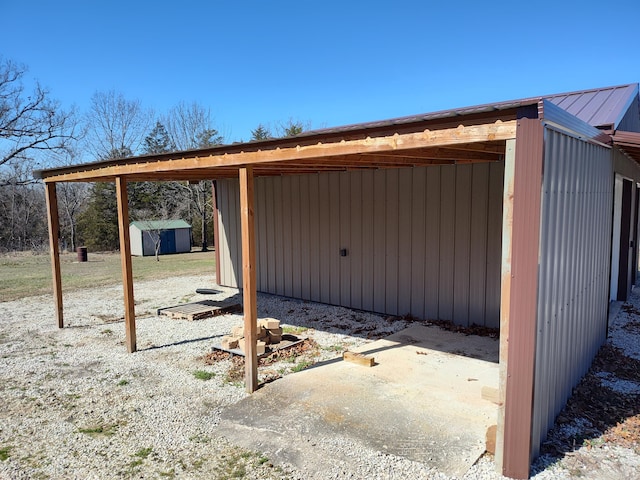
491	394
359	358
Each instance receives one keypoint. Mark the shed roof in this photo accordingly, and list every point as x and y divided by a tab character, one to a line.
160	224
448	136
600	107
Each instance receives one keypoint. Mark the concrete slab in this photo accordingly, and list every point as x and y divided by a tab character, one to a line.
419	401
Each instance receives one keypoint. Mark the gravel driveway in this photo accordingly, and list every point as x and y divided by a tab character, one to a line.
74	404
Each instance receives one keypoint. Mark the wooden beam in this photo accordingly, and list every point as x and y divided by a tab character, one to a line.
125	259
249	285
505	293
396	142
54	227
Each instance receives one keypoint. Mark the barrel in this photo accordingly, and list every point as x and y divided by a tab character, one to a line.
82	254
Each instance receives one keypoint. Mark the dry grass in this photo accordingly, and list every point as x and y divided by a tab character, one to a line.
28	274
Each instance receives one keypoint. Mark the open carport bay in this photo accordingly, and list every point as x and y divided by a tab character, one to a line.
422	400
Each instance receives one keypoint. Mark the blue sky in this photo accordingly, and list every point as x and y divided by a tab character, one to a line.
328	63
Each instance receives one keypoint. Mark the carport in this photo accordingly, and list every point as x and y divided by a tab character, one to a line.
526	138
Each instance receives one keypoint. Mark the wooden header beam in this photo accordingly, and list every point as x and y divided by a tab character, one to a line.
461	135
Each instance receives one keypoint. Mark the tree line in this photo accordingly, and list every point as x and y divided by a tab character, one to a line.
36	132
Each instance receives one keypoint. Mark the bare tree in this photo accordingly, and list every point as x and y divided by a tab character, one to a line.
29	123
190	126
116	127
22	212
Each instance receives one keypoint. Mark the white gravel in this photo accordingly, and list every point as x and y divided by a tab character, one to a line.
74	404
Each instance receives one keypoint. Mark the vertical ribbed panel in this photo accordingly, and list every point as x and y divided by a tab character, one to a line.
574	271
419	241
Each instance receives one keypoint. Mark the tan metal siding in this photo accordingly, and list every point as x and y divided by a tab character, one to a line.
462	245
494	241
419	241
228	223
447	245
574	270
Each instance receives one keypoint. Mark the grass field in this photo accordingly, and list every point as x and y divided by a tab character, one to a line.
26	274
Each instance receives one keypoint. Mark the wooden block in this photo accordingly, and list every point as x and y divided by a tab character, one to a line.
275	331
260	346
358	358
491	394
269	323
237	331
274	338
491	439
229	343
261	333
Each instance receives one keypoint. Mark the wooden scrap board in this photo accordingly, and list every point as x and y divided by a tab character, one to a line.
199	310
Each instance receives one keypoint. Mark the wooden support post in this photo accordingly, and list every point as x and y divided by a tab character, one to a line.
249	278
522	299
54	227
125	258
505	293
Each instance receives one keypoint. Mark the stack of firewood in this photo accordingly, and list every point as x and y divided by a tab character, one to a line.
268	332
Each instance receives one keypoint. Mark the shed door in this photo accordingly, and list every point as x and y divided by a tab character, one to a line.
625	278
167	241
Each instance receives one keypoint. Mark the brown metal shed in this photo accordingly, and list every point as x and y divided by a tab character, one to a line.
513	214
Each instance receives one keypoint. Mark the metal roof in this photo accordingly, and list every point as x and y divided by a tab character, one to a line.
601	107
144	225
628	142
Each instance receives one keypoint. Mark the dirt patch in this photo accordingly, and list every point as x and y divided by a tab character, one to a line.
295	358
602	414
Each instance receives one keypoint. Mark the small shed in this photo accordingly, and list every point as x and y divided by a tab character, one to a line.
174	237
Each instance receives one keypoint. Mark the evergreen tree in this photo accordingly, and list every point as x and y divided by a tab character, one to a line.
261	133
293	129
158	141
98	224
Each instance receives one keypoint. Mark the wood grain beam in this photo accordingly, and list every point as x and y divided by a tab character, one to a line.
54	227
397	142
249	285
125	259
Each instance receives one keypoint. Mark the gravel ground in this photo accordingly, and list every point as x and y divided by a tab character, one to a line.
74	404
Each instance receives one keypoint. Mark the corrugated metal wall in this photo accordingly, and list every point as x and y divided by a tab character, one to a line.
573	283
631	120
423	241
